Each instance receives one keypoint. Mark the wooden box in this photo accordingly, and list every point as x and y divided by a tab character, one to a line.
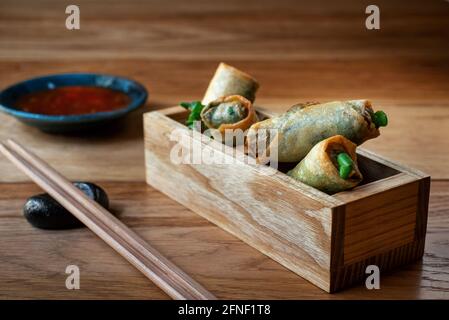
326	239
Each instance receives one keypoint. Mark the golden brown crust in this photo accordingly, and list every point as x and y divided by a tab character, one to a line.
227	81
300	106
319	169
240	73
305	125
336	143
243	124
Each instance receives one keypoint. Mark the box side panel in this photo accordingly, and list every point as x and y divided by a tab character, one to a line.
338	236
386	230
380	222
355	273
289	227
423	208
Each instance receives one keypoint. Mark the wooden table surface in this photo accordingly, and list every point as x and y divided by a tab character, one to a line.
298	50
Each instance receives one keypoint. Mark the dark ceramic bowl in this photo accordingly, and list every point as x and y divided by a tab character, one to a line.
68	123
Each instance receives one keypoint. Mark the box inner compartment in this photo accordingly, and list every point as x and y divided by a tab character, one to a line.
371	170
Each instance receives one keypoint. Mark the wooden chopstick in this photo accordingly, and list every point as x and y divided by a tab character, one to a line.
148	260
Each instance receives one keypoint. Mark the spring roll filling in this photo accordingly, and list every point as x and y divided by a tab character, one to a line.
372	119
226	113
365	110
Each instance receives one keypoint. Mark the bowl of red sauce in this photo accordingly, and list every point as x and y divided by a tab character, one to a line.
72	102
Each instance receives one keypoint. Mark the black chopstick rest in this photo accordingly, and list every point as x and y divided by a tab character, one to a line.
44	212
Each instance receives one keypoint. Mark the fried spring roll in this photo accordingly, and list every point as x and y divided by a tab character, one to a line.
303	126
322	170
231	112
228	81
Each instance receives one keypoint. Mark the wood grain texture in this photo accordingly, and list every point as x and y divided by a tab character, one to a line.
259	29
298	50
161	271
33	261
388	261
380	222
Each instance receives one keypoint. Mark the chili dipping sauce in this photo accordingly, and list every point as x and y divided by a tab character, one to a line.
73	100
